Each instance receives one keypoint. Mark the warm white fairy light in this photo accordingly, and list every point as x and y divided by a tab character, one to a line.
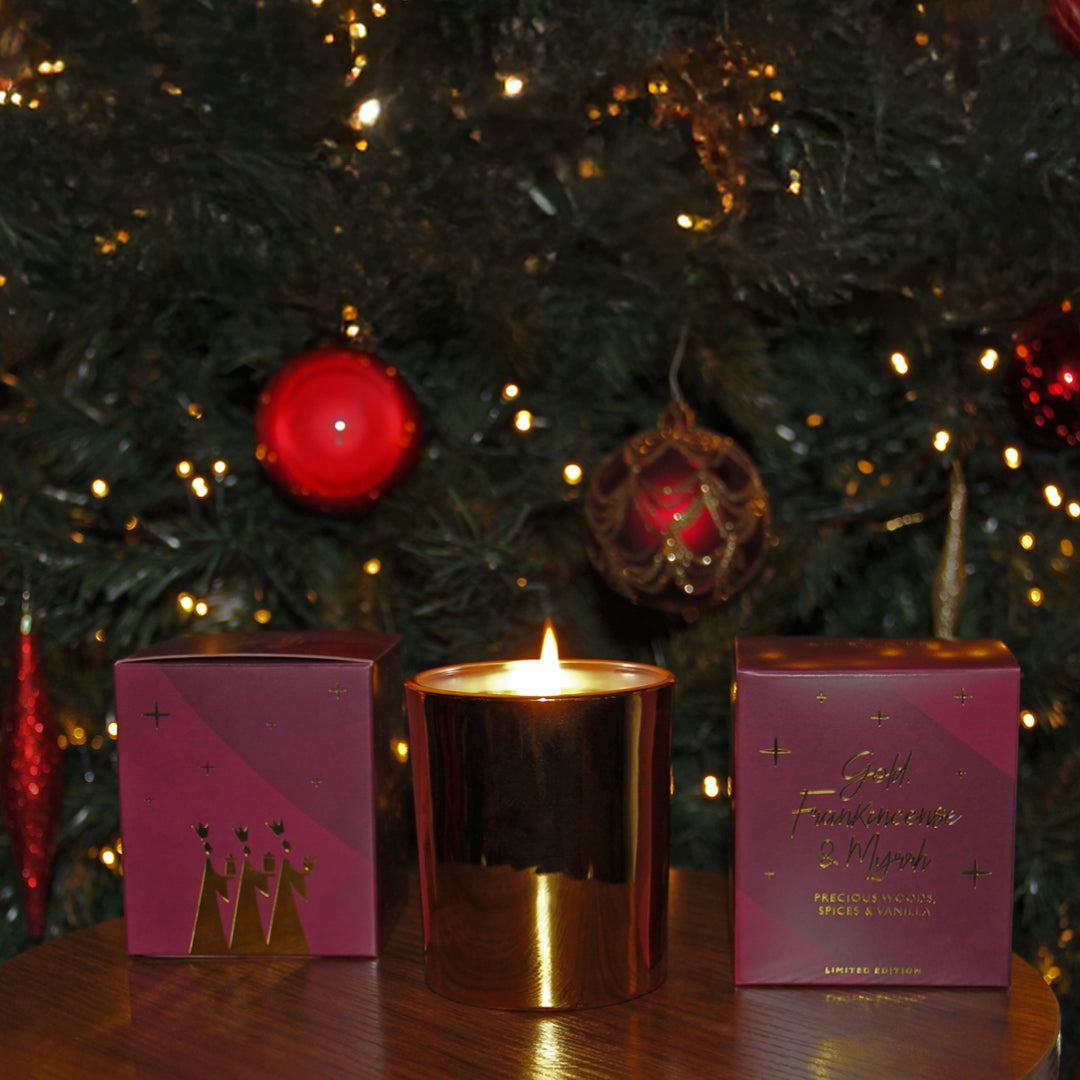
1012	457
684	221
262	616
184	469
365	114
401	750
1035	596
510	391
221	468
988	360
523	420
900	363
572	473
513	85
185	602
711	786
201	607
372	567
1027	541
1052	494
941	440
1027	718
1073	509
100	488
200	487
794	181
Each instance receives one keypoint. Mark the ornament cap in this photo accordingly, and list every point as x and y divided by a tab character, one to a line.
676	417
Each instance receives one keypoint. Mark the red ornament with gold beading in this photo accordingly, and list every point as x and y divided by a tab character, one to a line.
678	517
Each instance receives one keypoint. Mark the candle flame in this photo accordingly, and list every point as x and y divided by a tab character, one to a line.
549	650
543	677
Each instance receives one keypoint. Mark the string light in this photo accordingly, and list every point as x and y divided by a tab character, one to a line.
523	420
988	360
815	420
794	182
1053	494
1067	548
684	221
100	488
1035	596
572	473
711	786
186	602
1027	718
899	363
401	750
221	468
1012	457
513	85
372	567
365	114
1027	541
262	616
865	467
184	469
941	440
200	487
201	607
510	391
1073	509
112	729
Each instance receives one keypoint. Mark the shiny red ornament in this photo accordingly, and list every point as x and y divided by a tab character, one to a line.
31	777
1063	17
1042	380
678	517
336	428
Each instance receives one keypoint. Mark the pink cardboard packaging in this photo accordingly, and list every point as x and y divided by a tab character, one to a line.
264	793
874	801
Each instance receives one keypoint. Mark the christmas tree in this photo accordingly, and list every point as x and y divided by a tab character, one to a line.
843	235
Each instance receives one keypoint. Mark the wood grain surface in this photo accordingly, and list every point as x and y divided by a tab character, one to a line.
78	1007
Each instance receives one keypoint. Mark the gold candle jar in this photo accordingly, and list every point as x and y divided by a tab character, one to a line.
542	822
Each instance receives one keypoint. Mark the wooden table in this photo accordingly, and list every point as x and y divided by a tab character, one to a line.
79	1007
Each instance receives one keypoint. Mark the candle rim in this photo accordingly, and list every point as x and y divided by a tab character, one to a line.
661	677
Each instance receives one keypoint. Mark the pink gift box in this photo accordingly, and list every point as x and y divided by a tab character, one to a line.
874	801
264	793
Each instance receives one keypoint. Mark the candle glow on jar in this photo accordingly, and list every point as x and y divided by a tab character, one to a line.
547	677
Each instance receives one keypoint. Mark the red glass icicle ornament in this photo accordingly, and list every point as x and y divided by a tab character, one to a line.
31	776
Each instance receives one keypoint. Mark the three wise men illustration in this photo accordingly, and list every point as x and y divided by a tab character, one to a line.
247	936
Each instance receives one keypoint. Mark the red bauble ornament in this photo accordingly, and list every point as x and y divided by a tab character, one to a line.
678	517
1063	16
336	428
31	777
1042	381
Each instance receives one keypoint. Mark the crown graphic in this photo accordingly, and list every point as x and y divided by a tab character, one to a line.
243	932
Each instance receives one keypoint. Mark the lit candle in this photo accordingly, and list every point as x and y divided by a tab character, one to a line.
542	800
548	677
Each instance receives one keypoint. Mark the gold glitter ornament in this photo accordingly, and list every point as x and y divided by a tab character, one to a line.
678	517
950	575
